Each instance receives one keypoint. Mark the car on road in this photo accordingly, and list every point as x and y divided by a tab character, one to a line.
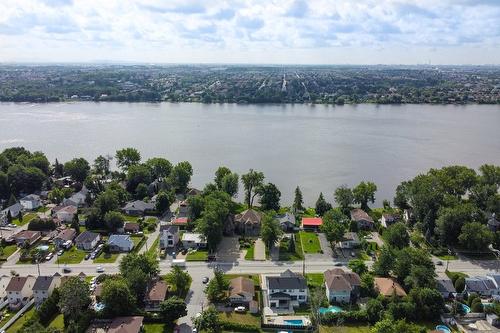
60	252
100	269
66	269
11	225
49	256
205	280
338	264
439	263
240	309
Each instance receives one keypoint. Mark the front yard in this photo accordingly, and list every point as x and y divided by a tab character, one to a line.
57	322
26	218
250	252
285	253
139	242
157	328
106	258
199	255
254	277
72	256
7	251
16	326
240	318
309	241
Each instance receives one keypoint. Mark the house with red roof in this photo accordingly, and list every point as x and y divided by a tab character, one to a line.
311	223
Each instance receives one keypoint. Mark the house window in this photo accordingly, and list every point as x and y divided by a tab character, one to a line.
302	297
301	290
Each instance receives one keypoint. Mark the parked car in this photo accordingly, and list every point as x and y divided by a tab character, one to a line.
240	309
49	256
100	269
66	269
60	252
205	280
439	263
93	255
338	264
87	256
12	225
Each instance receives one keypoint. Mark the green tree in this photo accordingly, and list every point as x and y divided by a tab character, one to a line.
251	181
4	185
208	321
181	176
298	200
141	191
230	184
270	231
322	206
78	169
333	226
396	236
49	309
163	201
179	279
358	266
23	179
106	201
460	284
475	236
374	310
344	197
429	303
137	174
390	326
117	298
216	209
220	173
75	224
56	196
269	197
137	282
127	157
385	262
145	262
173	309
364	193
217	289
58	169
451	220
74	298
114	220
160	167
101	165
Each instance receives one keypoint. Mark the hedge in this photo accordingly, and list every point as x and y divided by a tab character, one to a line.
239	327
346	316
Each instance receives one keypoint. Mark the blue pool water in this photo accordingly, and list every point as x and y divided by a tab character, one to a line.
443	328
99	307
466	308
332	309
293	322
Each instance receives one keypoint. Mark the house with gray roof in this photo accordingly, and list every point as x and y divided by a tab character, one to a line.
120	243
481	285
286	291
87	240
44	286
14	210
286	221
138	208
169	236
77	199
445	287
31	202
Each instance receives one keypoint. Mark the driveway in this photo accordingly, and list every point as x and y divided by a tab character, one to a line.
325	247
259	250
228	249
376	238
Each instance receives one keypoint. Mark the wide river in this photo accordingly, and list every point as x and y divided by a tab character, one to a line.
316	147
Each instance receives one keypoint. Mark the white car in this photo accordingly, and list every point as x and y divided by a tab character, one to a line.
100	269
240	309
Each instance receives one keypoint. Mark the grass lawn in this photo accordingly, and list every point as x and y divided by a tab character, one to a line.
7	251
448	257
199	255
348	328
42	209
104	258
254	277
138	242
310	242
315	279
153	250
455	275
285	255
157	328
6	315
242	318
26	218
57	322
72	256
250	251
21	320
130	218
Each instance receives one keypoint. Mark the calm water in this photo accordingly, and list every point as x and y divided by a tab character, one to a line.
316	147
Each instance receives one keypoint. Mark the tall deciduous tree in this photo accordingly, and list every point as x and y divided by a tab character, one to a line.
127	157
173	309
179	280
117	297
270	230
208	321
220	173
230	184
114	220
101	165
217	289
77	168
397	236
74	297
160	167
333	226
344	197
181	176
251	181
269	197
364	193
475	236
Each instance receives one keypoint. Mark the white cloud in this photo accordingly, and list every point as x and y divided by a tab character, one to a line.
464	31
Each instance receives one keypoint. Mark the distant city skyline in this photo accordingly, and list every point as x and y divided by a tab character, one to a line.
457	32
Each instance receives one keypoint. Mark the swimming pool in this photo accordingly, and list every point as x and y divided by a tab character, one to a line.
293	322
465	308
332	309
443	328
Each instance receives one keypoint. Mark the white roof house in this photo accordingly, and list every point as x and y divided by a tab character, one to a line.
192	239
120	243
31	202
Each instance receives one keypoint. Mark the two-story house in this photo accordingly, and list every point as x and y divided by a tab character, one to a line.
342	286
19	291
286	291
156	292
241	291
87	240
362	219
44	286
31	202
169	236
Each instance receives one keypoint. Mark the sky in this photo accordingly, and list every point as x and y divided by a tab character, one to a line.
251	31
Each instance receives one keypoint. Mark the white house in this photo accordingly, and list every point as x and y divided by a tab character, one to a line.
31	202
87	240
44	286
342	286
77	199
4	282
120	243
349	241
169	236
66	214
286	291
19	291
388	219
193	240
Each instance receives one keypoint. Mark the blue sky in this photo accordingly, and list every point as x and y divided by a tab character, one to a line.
252	31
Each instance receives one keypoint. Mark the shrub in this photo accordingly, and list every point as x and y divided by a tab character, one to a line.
460	284
240	327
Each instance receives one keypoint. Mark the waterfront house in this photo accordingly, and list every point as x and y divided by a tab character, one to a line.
120	243
87	240
388	219
286	291
388	287
169	236
156	292
184	210
27	237
63	237
31	202
311	223
248	222
66	214
362	219
138	208
241	291
192	240
44	286
131	324
286	221
19	291
342	286
445	287
350	240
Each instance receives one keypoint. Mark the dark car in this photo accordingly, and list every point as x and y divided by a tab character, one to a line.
205	280
185	251
212	257
87	256
338	264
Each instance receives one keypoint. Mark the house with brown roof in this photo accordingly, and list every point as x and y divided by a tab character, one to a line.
19	291
248	222
131	227
131	324
363	220
388	287
27	237
156	292
65	236
342	286
241	291
388	219
66	214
